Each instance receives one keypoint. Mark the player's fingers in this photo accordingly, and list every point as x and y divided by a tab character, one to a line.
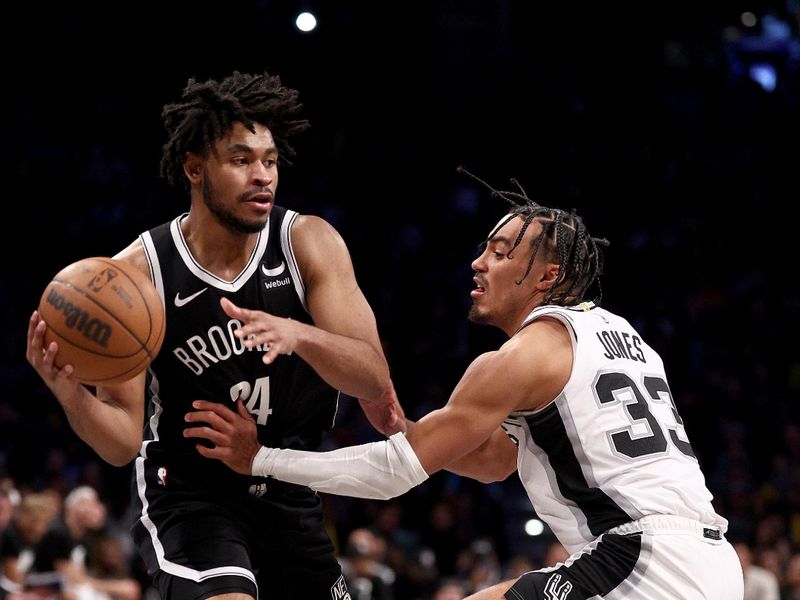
237	312
232	310
271	353
259	339
254	331
36	339
243	412
32	323
210	418
65	372
49	356
203	451
206	433
207	452
221	410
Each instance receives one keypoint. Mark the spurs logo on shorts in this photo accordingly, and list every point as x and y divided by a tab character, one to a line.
552	590
258	489
339	590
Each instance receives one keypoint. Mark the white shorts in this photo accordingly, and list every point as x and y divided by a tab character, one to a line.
658	557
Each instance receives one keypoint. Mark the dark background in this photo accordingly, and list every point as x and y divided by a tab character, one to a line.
644	118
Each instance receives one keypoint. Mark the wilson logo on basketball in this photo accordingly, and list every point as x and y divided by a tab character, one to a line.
76	318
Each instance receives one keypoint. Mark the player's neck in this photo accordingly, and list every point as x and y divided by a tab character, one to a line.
216	248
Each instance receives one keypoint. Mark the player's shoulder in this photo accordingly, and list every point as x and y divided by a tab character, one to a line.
538	358
316	240
134	254
312	226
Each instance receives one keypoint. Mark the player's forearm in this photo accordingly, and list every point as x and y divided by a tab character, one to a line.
107	428
350	365
494	460
380	470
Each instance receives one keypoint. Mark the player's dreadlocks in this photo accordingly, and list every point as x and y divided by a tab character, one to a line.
564	240
207	110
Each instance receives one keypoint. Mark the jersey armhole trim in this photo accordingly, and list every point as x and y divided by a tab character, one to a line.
291	260
152	262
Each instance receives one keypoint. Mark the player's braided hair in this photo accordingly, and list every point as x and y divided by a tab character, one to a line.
208	109
563	240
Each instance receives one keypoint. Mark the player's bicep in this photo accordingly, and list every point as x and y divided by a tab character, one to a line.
334	299
474	412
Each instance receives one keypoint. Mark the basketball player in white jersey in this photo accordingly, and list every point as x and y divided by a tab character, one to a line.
575	401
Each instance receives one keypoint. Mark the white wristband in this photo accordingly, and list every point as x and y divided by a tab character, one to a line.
380	470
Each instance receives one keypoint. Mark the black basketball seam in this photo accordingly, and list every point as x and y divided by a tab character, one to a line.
102	379
146	305
89	350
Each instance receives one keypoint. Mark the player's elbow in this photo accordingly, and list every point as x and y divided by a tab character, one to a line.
495	475
121	455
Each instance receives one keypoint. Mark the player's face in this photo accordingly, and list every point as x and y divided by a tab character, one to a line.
240	178
497	298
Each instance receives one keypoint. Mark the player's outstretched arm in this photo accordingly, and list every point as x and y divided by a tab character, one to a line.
378	470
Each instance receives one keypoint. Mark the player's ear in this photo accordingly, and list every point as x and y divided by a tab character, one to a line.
549	276
193	167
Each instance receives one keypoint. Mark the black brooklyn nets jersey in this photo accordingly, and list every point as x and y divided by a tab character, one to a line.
201	358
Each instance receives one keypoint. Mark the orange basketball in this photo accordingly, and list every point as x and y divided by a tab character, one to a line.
106	317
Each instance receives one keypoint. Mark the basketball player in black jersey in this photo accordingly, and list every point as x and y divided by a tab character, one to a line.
203	530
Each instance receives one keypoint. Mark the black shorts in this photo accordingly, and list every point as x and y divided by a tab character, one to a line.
198	544
592	575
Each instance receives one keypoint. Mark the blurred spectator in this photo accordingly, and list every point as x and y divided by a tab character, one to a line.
60	556
479	566
7	506
368	578
759	584
791	590
518	565
34	515
450	589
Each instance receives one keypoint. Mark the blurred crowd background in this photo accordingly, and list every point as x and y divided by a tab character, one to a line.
672	128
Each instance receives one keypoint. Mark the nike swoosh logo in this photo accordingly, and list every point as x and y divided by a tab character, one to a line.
183	301
273	272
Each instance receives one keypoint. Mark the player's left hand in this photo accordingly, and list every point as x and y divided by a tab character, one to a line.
233	434
278	334
385	413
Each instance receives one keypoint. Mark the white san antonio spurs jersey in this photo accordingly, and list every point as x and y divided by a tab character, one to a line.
611	448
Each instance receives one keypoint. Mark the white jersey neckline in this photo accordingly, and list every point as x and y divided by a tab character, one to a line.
207	276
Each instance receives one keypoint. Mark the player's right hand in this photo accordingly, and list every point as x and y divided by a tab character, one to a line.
42	359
